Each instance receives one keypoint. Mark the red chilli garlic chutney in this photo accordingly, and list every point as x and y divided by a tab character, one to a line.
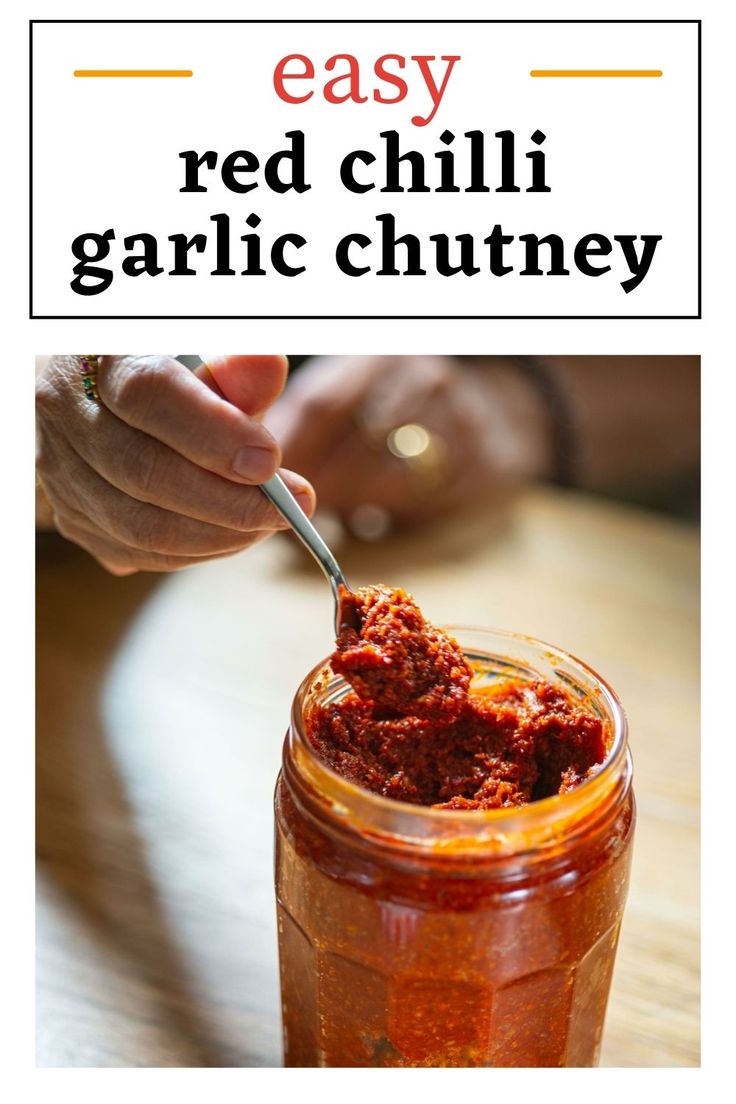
454	823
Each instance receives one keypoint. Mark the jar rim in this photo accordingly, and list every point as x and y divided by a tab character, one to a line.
423	824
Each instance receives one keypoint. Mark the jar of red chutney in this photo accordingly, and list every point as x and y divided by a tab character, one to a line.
414	936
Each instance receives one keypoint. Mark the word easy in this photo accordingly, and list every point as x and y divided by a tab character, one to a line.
294	76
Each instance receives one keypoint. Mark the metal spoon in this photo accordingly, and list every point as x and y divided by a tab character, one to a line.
281	497
279	494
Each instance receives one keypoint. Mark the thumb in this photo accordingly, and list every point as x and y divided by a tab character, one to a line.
252	383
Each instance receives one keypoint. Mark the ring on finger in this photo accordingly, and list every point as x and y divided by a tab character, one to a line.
88	365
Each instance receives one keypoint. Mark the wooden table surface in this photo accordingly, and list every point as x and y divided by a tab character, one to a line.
162	707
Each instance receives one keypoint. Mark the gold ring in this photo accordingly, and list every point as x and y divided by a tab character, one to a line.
89	366
424	453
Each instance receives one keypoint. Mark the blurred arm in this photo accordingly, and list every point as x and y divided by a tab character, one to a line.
638	418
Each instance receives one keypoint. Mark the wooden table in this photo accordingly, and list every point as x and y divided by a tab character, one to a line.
162	707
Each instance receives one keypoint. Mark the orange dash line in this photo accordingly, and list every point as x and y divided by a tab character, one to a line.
595	73
133	73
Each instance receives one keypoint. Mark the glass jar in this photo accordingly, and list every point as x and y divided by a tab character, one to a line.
411	936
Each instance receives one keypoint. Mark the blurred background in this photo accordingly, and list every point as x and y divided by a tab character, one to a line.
556	497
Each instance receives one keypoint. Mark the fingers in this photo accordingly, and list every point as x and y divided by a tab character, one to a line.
302	490
162	398
336	400
149	471
418	387
320	406
203	373
138	525
334	419
121	559
149	478
252	383
357	467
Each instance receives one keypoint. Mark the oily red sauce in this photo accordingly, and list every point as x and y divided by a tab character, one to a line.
412	728
396	658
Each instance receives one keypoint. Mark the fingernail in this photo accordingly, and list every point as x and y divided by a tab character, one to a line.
257	464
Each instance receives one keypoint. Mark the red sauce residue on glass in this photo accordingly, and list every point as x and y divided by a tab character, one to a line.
406	947
413	730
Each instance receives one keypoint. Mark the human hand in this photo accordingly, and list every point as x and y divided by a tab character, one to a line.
163	472
485	430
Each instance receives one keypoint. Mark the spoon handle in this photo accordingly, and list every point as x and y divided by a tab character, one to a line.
279	494
281	497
